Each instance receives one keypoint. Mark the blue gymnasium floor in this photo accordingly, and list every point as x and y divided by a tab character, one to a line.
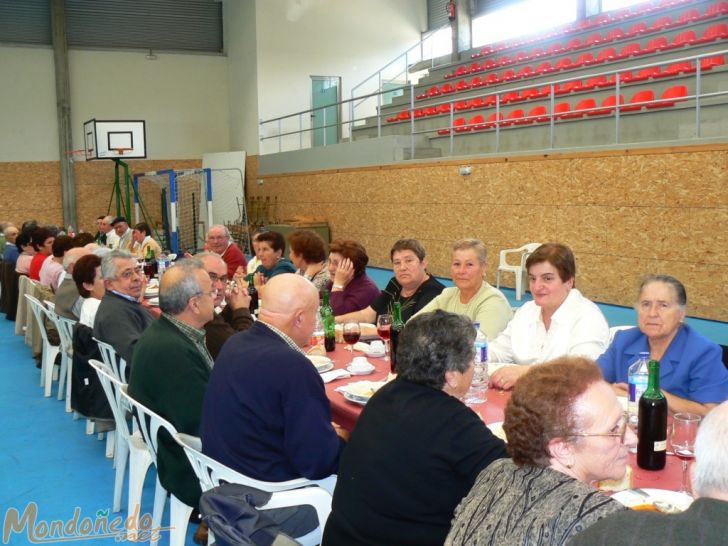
46	457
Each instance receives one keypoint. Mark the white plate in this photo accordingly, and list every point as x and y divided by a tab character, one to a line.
149	292
497	430
154	302
360	371
629	498
361	400
372	354
322	363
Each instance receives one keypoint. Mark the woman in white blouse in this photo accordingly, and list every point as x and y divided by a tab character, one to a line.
558	322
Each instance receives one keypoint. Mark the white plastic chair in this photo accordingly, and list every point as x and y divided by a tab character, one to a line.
65	328
129	447
49	351
518	270
112	360
316	493
179	514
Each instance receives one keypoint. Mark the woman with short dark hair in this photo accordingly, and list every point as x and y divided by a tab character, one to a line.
271	247
416	449
559	321
143	241
566	429
308	254
42	240
351	288
90	285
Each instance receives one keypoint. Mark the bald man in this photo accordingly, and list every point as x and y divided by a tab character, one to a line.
219	241
265	412
68	300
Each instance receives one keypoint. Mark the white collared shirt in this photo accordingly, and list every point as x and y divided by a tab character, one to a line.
578	327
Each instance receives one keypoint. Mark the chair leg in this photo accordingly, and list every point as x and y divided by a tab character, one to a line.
69	370
89	427
121	457
49	358
497	278
160	498
518	276
110	441
179	516
139	462
62	376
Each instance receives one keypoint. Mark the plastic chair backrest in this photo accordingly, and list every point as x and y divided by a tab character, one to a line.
112	388
149	423
646	95
65	327
116	364
675	92
611	101
561	108
40	313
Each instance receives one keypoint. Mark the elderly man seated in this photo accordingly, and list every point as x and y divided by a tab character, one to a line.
68	300
265	413
235	315
704	523
171	367
219	241
121	318
10	252
123	232
107	235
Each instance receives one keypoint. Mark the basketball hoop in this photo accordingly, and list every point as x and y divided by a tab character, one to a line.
121	151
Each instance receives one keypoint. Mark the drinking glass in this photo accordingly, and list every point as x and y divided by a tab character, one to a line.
352	333
384	329
682	438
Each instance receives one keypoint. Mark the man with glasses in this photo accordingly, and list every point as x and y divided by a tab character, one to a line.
235	315
171	367
121	318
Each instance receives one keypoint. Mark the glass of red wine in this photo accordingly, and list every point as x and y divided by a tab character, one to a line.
682	438
384	328
352	333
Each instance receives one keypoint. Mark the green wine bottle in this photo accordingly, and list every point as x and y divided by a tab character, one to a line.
396	329
652	423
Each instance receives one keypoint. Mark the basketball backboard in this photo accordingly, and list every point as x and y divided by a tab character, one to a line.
114	139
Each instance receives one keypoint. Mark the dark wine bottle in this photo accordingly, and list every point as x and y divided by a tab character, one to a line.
652	423
396	329
253	292
327	319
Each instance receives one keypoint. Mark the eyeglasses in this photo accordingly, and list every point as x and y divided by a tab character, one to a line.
619	430
215	278
129	273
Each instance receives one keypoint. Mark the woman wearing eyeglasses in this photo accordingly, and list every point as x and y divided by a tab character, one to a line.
566	430
692	374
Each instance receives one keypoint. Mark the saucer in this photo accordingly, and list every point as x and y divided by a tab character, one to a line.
363	370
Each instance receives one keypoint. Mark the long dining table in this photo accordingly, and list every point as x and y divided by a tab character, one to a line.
347	413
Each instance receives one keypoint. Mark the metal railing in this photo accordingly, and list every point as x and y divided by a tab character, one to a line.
282	135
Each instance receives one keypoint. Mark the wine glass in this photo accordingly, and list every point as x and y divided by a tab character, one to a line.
682	438
352	333
384	328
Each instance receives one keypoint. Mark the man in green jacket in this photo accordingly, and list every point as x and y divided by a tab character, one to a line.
171	367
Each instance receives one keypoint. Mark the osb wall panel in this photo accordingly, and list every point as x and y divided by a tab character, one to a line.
33	190
624	213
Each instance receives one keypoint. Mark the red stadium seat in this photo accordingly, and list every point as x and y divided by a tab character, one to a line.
487	64
511	96
677	68
537	52
433	91
574	43
477	122
614	34
568	87
458	123
477	81
461	125
606	54
532	93
477	102
554	49
638	99
656	44
544	68
461	105
538	114
632	48
504	59
419	112
608	105
563	63
594	39
584	59
581	109
403	115
561	108
688	17
526	71
661	22
431	111
596	81
521	56
624	77
508	75
492	78
443	108
706	63
600	19
636	29
716	10
447	88
670	96
717	31
491	122
392	119
514	117
686	37
475	67
462	85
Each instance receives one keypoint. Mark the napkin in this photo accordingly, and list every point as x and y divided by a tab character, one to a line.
328	377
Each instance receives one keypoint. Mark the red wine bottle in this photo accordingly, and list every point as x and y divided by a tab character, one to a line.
652	423
394	331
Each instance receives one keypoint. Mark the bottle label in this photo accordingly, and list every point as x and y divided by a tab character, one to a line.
661	445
